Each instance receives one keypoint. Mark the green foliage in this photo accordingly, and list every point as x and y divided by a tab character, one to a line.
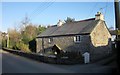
24	39
50	53
23	47
14	37
4	43
40	29
68	20
3	39
29	33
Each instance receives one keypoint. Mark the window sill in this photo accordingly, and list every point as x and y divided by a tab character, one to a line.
77	41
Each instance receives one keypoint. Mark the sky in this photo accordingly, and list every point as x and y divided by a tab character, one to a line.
48	13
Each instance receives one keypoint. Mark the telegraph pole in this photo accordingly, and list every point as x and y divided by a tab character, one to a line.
117	25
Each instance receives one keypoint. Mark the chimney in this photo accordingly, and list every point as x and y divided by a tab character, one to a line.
99	16
48	26
60	23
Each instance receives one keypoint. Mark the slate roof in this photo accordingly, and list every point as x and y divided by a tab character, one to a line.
113	32
77	27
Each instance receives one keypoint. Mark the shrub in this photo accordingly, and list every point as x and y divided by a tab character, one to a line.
50	53
23	47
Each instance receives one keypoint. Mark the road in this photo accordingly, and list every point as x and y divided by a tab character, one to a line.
16	64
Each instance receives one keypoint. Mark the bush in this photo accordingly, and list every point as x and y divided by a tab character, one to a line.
23	47
50	53
15	47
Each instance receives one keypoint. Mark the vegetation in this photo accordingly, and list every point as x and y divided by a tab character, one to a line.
23	38
40	29
68	20
3	39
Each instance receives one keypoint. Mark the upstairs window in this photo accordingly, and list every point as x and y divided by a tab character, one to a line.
77	38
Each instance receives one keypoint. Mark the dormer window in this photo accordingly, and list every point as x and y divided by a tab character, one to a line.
77	38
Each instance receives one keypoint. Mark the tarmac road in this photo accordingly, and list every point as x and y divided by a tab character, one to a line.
16	64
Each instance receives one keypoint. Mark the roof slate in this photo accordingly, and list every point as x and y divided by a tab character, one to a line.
77	27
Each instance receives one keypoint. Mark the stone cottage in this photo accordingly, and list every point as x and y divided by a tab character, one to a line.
89	35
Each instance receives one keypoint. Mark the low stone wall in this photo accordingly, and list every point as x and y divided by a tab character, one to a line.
41	58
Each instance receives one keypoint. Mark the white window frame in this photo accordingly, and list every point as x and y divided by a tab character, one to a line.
77	38
50	40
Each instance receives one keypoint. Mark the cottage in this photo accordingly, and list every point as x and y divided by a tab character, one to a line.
90	35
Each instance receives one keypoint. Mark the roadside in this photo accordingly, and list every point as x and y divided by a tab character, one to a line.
23	65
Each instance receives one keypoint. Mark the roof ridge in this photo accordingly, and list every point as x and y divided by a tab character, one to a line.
87	19
81	20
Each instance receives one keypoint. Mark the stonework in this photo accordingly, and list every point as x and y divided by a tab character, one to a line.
100	35
97	43
100	42
66	43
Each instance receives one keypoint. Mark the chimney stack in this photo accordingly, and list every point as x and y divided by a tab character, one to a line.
60	23
48	26
99	16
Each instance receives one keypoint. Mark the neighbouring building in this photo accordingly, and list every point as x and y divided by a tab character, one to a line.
113	34
89	35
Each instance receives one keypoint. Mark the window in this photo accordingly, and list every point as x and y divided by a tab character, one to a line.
77	38
50	40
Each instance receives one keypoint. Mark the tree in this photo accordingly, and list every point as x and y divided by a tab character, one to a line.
0	39
23	47
24	38
14	38
3	39
68	20
40	29
29	33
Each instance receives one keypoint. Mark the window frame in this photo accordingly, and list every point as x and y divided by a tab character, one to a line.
77	38
50	40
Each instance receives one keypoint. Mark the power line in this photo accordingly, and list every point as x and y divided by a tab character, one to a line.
43	5
93	8
106	10
100	9
41	8
36	9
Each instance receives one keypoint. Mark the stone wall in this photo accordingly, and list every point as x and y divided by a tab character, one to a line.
97	43
66	43
100	42
39	45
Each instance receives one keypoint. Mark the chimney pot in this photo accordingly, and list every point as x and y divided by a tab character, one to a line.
60	23
99	16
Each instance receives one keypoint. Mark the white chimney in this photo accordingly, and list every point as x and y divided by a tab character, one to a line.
99	16
60	23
